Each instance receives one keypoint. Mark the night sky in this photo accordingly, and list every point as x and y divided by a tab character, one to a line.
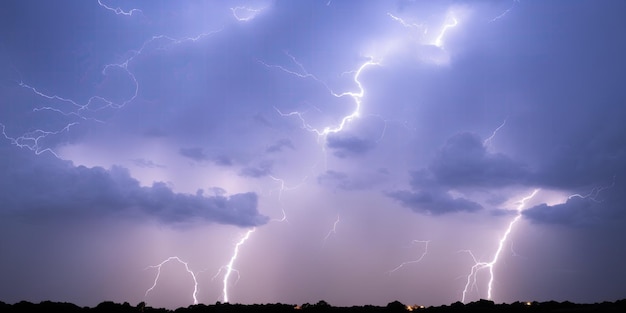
357	152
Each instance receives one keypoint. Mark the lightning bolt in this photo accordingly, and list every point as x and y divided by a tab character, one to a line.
425	243
357	96
229	267
30	140
245	14
332	230
119	10
175	258
439	41
594	193
407	24
94	104
478	266
503	14
493	134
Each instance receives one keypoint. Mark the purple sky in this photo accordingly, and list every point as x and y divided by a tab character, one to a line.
352	137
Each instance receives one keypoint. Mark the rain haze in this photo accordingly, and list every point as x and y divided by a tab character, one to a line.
181	152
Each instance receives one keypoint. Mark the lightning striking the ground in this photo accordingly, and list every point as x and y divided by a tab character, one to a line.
177	259
419	259
478	266
230	266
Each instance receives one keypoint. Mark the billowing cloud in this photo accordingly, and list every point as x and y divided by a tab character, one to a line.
346	146
44	187
195	153
434	202
464	161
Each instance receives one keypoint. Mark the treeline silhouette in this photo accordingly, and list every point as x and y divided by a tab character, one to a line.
320	307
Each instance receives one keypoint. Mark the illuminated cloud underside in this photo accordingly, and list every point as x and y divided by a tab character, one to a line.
294	148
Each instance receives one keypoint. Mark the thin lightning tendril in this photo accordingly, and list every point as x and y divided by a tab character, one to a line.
594	193
332	230
158	267
478	266
493	134
119	10
425	243
94	104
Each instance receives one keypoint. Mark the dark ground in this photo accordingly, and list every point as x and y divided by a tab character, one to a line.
320	307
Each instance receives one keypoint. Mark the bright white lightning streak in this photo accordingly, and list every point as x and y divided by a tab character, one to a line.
439	41
156	279
425	243
356	96
332	230
471	277
229	266
118	10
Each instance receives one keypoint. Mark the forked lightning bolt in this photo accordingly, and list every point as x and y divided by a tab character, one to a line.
356	96
478	266
594	193
175	258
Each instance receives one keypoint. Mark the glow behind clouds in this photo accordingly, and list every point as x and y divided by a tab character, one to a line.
137	133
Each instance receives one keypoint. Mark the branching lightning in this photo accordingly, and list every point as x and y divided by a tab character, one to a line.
175	258
356	96
118	10
594	193
94	104
421	257
478	266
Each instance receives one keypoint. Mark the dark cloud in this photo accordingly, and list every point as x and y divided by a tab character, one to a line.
45	187
196	153
464	161
279	145
433	202
223	160
263	169
346	181
601	205
146	163
349	146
